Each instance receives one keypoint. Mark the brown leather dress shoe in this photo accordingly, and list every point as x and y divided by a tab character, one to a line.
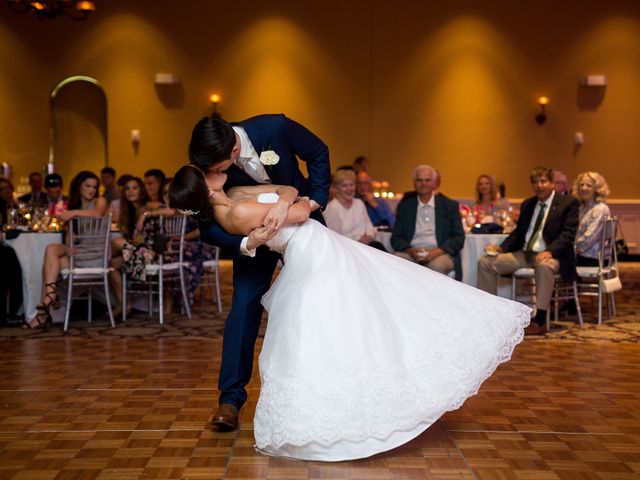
226	417
535	329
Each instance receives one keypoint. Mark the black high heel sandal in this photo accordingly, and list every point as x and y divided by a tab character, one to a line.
43	317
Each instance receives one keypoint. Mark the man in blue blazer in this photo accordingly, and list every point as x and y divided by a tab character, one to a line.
245	151
428	228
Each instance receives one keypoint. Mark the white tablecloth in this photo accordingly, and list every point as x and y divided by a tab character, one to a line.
29	248
471	252
474	249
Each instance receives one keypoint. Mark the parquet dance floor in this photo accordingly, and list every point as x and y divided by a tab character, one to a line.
127	408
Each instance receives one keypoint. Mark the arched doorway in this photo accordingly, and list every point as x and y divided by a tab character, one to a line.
78	127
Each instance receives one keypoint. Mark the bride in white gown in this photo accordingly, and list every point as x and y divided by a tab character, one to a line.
363	350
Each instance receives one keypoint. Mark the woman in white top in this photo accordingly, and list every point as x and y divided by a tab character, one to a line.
591	189
346	214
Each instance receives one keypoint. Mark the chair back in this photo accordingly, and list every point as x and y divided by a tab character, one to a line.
173	229
608	259
89	238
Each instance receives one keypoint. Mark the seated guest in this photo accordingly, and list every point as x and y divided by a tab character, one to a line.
592	191
56	202
377	208
111	190
36	197
114	206
84	202
560	183
487	201
10	282
11	278
361	164
7	200
346	214
133	210
436	189
153	180
542	239
428	229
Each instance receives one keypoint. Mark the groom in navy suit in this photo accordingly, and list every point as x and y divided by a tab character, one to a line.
262	149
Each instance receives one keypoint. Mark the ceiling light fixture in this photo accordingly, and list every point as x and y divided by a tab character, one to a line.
76	9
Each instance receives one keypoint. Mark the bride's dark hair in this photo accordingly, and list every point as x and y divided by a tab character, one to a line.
189	191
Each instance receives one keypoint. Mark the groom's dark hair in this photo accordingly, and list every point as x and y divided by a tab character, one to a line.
212	140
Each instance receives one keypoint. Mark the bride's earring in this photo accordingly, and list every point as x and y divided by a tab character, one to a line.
211	194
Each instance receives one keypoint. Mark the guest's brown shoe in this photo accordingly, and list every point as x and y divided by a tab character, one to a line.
535	329
226	417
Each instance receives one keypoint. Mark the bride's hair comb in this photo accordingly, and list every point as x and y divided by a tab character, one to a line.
187	212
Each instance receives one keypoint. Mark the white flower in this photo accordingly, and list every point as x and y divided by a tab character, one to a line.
269	157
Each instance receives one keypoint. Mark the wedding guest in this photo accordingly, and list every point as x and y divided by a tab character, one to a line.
560	183
361	164
133	207
84	202
377	208
437	180
591	190
428	229
10	281
114	206
488	200
56	202
7	199
153	180
346	214
111	190
36	197
542	239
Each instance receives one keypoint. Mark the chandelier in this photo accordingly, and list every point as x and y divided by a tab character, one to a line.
76	9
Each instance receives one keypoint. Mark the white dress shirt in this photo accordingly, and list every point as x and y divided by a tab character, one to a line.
539	245
425	234
248	159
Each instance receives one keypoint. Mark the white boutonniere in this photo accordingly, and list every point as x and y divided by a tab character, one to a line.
269	158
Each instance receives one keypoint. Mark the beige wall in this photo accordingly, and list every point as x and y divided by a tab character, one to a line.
451	83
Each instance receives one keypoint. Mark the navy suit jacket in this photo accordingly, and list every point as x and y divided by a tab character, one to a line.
449	232
290	141
559	232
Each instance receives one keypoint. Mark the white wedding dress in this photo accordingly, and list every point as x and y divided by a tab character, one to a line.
364	350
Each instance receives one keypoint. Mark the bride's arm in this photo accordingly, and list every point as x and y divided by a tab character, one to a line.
248	216
277	214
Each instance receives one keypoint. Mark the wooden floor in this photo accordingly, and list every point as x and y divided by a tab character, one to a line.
81	408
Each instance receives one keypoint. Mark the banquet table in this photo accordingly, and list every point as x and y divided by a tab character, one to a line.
474	245
29	248
473	249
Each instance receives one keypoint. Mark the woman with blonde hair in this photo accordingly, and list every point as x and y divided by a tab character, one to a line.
591	190
488	200
348	215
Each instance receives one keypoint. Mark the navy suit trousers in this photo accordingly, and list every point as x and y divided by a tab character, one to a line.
251	280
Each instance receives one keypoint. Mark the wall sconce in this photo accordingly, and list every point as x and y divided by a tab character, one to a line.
215	100
166	79
542	116
135	140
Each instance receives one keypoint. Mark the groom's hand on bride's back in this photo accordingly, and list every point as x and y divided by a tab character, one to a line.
260	236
